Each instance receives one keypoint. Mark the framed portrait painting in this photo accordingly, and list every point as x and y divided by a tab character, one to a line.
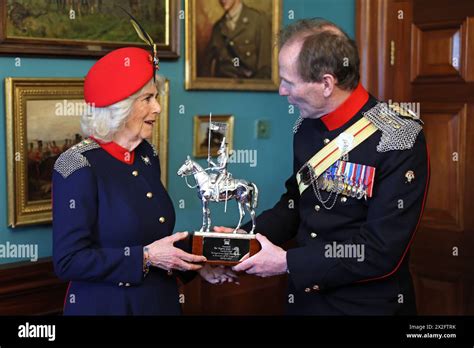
86	27
206	137
43	120
232	45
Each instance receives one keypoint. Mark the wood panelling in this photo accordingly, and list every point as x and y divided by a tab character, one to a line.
468	49
441	10
436	51
458	92
371	38
31	289
254	296
433	65
437	297
445	131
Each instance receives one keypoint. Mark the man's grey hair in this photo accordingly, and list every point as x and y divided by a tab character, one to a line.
325	49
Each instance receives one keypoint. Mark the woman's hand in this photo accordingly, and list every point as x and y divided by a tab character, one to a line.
218	274
163	254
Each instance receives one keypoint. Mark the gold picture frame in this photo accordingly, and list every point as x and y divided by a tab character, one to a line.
201	134
86	28
31	119
160	130
202	17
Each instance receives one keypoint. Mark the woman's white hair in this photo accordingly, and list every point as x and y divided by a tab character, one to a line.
103	123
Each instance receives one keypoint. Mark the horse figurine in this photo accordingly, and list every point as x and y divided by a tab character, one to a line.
244	192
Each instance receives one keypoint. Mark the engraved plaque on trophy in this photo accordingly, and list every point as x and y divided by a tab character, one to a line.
224	248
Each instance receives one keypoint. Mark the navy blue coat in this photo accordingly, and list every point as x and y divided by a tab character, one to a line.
104	212
384	224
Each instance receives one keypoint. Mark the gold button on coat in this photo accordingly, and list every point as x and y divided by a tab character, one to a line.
317	207
149	195
326	141
162	219
135	173
316	287
307	290
314	235
344	199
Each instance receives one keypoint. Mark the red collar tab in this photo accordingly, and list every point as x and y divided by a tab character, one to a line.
117	151
346	110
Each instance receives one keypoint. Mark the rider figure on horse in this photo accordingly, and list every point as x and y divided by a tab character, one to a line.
207	184
220	167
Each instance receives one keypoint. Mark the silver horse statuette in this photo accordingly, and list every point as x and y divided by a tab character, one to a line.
216	184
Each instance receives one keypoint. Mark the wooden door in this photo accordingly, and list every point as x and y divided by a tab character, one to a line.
423	51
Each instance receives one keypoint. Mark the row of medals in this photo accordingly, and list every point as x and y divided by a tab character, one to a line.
340	185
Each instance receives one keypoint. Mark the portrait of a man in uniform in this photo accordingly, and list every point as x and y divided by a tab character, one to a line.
240	43
232	40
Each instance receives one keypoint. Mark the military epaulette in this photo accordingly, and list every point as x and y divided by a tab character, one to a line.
398	132
155	151
73	159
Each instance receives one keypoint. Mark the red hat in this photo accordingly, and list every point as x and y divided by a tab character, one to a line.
118	75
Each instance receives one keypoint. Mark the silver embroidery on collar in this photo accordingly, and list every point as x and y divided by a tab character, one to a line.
297	124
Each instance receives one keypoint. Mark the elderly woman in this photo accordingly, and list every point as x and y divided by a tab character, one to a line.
112	218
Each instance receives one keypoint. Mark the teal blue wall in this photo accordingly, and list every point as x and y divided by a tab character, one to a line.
274	155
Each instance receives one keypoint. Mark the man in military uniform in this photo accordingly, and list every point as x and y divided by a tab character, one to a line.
357	191
240	44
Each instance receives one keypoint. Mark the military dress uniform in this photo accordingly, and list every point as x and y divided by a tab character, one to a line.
249	41
383	221
105	211
108	203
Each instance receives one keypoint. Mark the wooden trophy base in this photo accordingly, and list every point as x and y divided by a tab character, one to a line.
224	248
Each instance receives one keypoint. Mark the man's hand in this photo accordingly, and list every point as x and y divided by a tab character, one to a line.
269	261
218	274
